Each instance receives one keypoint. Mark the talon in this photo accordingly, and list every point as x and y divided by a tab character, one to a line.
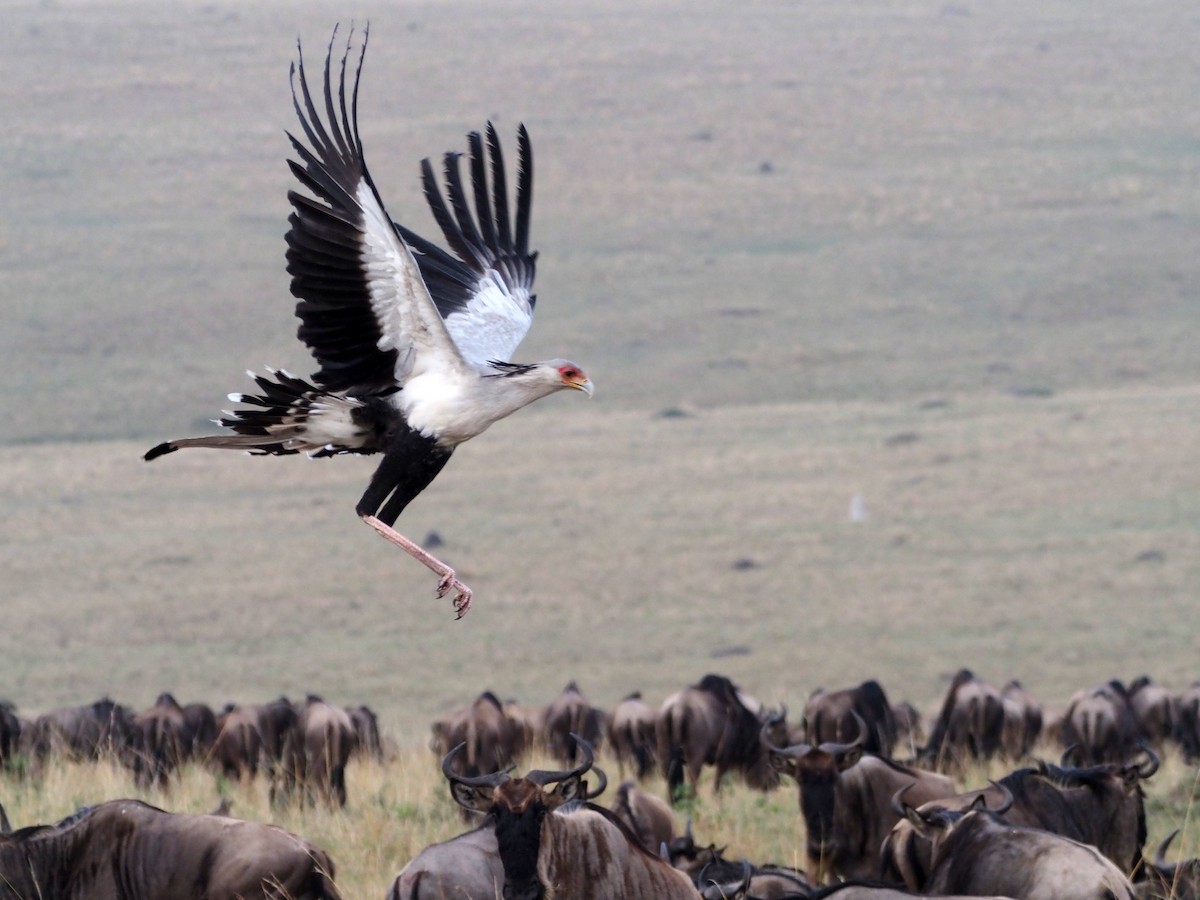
446	582
462	602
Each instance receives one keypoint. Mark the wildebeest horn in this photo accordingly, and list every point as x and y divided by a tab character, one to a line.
1068	755
1160	856
6	826
898	804
1152	763
1007	802
600	777
490	780
542	777
838	749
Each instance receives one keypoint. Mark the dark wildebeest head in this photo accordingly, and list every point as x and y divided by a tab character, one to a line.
844	801
552	842
125	848
833	716
570	713
714	723
976	852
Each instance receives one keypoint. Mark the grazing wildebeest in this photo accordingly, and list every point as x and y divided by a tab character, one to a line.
1187	728
713	723
977	852
1155	711
1169	881
98	730
910	733
238	750
554	843
647	817
276	722
570	713
200	722
1099	725
845	801
491	738
316	753
126	848
161	742
969	726
1102	806
368	741
1022	721
631	734
829	716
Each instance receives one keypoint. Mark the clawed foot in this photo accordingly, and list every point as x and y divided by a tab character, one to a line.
462	602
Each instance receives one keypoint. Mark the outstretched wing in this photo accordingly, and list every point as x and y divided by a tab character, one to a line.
365	311
485	294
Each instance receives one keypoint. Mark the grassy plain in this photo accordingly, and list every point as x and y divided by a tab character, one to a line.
939	255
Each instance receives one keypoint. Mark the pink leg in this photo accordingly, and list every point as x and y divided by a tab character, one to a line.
448	582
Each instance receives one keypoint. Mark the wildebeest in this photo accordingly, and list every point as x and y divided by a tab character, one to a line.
466	867
1099	724
1022	721
647	817
845	801
200	722
238	750
1102	806
368	741
316	753
126	848
631	734
161	741
829	716
1169	881
977	852
1187	727
570	713
93	731
491	739
10	733
910	733
276	721
553	843
969	726
711	723
1155	711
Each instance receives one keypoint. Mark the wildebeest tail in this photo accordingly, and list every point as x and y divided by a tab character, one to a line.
288	416
671	737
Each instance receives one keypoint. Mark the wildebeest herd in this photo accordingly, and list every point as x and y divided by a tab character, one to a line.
879	807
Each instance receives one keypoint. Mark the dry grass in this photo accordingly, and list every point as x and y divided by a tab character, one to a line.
399	807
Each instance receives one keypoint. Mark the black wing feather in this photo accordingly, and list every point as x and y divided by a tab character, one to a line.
336	319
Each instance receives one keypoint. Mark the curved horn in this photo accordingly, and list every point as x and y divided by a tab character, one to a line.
1160	856
542	777
743	888
490	780
899	807
837	749
600	777
1007	802
1068	755
1151	765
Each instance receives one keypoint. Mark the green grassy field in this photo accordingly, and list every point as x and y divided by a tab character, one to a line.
937	255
